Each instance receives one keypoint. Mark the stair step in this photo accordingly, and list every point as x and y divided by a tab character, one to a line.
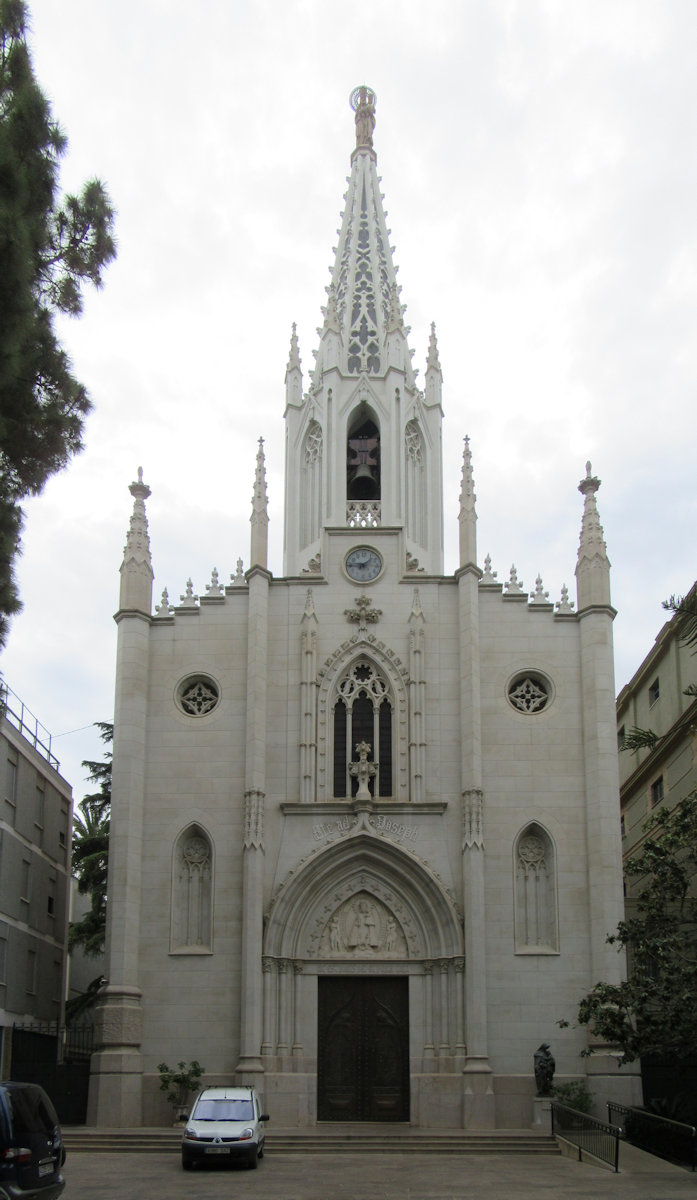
102	1141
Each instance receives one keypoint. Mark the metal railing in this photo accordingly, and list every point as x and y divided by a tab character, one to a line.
30	728
591	1136
662	1136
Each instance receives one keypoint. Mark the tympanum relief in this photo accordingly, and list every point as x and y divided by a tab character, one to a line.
363	927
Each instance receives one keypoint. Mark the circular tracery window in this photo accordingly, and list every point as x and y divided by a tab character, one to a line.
198	695
529	692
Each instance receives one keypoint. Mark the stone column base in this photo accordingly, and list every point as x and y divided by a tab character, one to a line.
116	1068
542	1114
480	1102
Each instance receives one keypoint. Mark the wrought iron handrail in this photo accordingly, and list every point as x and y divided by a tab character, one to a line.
591	1136
654	1123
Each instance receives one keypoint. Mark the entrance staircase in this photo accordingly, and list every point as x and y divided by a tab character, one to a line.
334	1138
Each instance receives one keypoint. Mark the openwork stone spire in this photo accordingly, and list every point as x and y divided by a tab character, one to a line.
136	568
364	304
260	514
593	565
468	513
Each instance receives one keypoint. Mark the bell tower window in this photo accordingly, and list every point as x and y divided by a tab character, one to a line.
363	461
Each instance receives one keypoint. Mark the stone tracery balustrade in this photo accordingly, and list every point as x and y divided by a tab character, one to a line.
363	514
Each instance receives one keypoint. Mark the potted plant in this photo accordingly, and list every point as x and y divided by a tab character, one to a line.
178	1084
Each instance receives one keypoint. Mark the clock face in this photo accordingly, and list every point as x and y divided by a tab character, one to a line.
363	564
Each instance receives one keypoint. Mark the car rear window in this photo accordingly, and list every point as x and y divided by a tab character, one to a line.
30	1111
224	1110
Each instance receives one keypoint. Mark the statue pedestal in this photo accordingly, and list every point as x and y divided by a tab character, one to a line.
542	1114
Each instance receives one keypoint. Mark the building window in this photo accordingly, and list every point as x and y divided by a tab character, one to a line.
192	892
623	826
536	923
198	695
25	881
363	713
11	787
621	734
654	691
50	906
31	972
657	791
529	692
3	960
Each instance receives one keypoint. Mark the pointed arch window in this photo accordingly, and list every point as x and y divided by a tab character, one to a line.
192	892
536	918
363	712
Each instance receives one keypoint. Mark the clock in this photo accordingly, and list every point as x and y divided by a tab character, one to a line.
363	565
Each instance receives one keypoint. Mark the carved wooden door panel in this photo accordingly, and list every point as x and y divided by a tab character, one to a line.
363	1049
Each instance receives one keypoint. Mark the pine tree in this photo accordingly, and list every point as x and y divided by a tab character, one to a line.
49	247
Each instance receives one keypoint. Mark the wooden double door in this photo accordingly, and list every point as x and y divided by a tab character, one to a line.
363	1048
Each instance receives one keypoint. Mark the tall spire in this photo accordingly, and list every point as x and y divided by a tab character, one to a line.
468	514
136	568
363	305
294	375
260	515
434	375
593	565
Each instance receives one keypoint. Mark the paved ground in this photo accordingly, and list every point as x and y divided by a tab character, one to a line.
286	1176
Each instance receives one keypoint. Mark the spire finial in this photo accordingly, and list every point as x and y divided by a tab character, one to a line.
136	568
468	512
363	101
433	362
260	512
294	357
592	566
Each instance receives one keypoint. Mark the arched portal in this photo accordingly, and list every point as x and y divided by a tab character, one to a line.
363	946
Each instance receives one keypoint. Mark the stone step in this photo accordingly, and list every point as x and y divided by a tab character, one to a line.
403	1141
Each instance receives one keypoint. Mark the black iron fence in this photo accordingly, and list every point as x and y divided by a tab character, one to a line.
669	1139
588	1134
57	1057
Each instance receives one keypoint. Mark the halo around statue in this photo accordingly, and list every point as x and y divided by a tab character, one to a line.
368	96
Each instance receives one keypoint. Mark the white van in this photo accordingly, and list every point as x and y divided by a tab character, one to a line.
225	1123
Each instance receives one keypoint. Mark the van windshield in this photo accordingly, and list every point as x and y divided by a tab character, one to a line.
224	1110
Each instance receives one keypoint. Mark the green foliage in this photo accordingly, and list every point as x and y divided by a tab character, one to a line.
653	1012
574	1095
49	247
181	1082
90	854
638	739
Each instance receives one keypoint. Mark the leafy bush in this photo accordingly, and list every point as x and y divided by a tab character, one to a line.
179	1083
575	1095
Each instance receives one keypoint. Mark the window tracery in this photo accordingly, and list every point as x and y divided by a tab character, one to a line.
536	923
192	892
363	712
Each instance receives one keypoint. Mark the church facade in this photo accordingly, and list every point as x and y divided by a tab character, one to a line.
365	845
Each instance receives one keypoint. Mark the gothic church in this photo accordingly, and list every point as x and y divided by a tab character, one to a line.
365	845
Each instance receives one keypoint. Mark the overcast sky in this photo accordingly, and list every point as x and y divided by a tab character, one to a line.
539	165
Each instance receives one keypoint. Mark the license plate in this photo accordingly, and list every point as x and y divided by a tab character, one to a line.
47	1168
217	1150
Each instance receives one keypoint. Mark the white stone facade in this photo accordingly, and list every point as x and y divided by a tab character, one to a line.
468	864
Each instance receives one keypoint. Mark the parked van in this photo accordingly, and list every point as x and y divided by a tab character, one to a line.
226	1124
31	1146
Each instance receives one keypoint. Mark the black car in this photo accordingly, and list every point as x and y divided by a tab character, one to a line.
31	1147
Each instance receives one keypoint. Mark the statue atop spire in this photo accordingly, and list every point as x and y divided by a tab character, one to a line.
363	101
